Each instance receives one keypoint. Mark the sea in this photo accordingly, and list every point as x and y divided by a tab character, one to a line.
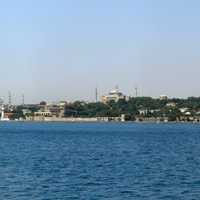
97	161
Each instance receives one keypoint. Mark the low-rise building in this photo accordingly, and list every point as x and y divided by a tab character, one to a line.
183	110
171	104
113	95
188	113
43	114
154	111
26	111
163	97
143	111
51	110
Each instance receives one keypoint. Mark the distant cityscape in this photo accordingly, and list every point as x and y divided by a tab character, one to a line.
114	106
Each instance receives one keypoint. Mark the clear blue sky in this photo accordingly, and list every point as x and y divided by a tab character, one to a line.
61	49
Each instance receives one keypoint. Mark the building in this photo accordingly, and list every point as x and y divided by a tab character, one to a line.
26	112
188	113
43	114
113	95
143	111
163	97
171	104
3	116
183	110
62	104
51	110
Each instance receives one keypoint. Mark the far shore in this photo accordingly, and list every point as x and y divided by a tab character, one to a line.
103	122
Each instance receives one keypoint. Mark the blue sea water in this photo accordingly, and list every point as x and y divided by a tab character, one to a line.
89	161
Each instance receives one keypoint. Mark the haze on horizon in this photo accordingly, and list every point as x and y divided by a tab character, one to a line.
60	49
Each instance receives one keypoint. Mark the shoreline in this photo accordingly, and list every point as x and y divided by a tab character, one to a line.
101	122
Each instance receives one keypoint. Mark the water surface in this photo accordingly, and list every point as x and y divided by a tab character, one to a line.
56	161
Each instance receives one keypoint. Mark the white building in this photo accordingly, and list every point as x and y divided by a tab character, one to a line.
3	118
171	104
183	110
163	97
26	111
114	95
143	111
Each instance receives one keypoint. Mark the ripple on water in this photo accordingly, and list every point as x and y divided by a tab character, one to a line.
99	161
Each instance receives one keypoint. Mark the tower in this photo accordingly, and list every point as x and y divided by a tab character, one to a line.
9	99
22	99
117	88
96	94
136	91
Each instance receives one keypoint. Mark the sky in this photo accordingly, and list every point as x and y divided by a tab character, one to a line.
62	49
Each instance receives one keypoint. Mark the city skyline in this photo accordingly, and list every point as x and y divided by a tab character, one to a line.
13	99
54	50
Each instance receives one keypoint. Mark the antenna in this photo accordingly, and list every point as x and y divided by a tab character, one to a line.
9	99
136	91
1	101
117	87
22	99
96	94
